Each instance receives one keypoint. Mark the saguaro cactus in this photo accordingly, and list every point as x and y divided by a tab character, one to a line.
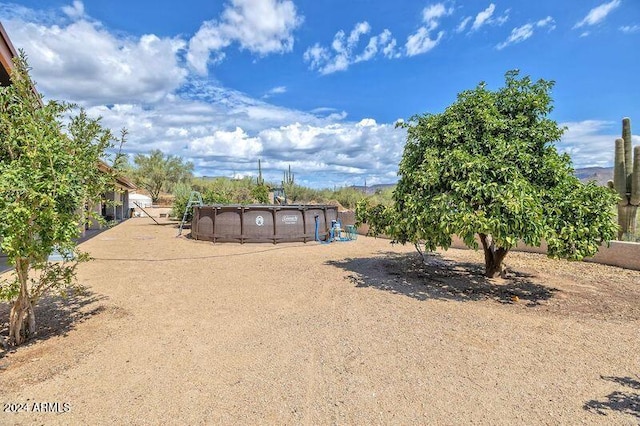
288	177
626	180
259	179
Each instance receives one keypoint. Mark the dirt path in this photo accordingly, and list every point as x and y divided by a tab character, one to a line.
175	331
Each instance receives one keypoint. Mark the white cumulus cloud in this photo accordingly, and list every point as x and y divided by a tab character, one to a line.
83	61
278	90
343	50
463	24
225	133
483	17
259	26
431	14
142	83
522	33
226	144
598	14
75	11
422	40
590	143
630	29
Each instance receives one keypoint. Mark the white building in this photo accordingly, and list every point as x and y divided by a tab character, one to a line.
139	200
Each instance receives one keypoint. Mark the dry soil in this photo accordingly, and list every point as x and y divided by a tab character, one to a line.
176	331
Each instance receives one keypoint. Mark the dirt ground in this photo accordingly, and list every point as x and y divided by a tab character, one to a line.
176	331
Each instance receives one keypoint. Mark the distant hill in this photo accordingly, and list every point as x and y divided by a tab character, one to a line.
213	177
373	188
599	174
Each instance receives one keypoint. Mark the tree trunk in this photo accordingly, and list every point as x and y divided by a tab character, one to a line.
22	319
493	257
627	220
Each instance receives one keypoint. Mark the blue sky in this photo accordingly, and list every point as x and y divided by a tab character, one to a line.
318	85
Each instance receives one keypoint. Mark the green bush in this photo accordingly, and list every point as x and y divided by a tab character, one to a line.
247	191
260	193
181	192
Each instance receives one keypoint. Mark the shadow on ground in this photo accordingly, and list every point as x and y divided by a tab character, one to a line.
55	316
437	278
626	402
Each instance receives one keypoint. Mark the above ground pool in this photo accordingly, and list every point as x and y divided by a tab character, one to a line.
262	224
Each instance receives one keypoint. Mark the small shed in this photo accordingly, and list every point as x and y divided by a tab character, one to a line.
139	200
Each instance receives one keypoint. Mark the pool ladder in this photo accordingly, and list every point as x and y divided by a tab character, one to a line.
195	199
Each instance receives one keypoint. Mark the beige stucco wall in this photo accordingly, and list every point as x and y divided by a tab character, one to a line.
619	253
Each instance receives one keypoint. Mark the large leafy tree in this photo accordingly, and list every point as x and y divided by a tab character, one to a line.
46	177
156	172
486	169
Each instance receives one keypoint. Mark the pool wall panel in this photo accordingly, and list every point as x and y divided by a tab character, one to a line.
258	224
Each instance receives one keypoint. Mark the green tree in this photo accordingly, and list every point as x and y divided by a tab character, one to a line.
120	159
219	191
260	193
348	197
46	176
487	168
155	172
